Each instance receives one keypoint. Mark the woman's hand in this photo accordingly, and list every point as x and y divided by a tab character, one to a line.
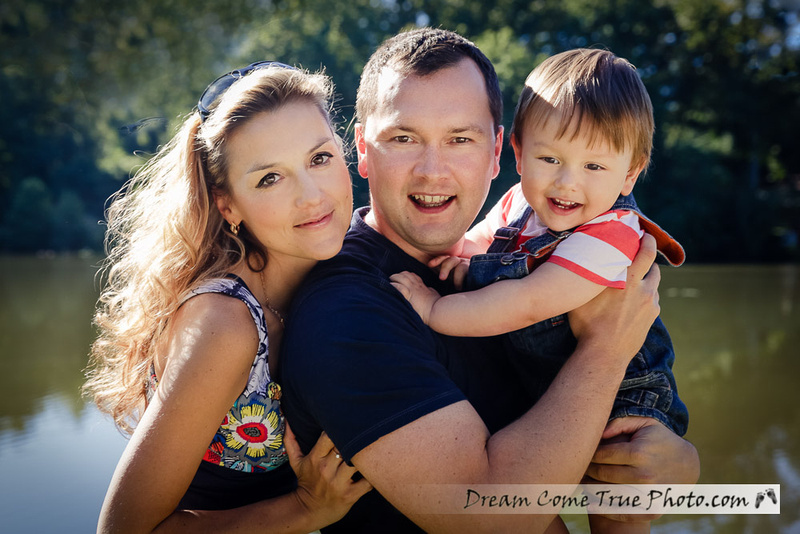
325	485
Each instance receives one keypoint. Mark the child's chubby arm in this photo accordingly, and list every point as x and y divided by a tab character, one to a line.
501	307
477	239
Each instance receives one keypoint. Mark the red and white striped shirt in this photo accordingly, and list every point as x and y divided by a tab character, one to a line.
600	250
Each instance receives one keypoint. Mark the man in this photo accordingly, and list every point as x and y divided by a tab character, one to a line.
409	407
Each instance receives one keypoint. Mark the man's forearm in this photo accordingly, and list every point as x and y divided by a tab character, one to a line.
554	441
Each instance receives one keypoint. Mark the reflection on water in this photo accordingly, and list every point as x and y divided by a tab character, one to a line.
56	453
736	331
55	470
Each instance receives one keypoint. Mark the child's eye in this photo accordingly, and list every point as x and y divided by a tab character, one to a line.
269	179
594	167
548	159
321	158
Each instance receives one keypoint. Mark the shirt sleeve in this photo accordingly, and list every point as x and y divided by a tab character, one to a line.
359	363
602	249
500	214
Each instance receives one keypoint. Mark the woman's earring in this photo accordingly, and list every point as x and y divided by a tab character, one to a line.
234	229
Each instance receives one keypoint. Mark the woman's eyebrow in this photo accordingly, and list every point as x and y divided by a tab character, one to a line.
262	166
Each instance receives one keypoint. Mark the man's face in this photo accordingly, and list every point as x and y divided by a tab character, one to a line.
430	153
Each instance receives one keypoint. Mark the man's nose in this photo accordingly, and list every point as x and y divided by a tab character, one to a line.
432	164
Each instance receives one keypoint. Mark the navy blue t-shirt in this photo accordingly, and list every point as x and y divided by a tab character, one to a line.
358	362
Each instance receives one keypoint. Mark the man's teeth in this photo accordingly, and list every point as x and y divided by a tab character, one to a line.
431	201
564	204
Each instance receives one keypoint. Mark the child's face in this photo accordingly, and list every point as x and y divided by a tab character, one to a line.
569	182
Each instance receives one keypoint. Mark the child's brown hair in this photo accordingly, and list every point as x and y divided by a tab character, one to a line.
594	89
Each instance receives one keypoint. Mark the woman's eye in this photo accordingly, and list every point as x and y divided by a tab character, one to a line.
269	179
321	158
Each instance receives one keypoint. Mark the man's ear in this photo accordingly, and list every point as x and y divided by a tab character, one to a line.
631	177
515	144
498	148
361	150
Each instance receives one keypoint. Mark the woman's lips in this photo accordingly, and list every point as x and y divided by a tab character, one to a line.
316	222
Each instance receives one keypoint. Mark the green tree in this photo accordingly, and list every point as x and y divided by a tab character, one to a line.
92	88
27	226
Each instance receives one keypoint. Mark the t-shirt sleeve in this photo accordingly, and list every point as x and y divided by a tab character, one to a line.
501	213
359	363
602	249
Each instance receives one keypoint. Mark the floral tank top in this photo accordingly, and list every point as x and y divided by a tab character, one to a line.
250	437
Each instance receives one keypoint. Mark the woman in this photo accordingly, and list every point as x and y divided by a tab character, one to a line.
207	244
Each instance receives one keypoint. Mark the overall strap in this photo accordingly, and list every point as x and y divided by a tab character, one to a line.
505	237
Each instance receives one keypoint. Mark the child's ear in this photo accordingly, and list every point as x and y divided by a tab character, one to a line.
517	147
631	177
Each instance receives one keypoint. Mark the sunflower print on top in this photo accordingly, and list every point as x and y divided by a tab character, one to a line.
250	437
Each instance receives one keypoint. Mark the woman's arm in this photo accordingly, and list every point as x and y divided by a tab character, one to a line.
209	353
324	494
500	307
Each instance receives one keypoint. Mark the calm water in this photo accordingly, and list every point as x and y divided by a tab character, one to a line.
736	331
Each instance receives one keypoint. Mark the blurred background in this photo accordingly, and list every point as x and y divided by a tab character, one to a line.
90	88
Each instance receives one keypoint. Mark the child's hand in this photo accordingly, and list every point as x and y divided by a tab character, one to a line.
421	297
451	265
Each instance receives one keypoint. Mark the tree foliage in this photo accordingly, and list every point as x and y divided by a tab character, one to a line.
91	87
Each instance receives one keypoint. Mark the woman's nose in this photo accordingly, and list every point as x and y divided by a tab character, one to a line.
309	191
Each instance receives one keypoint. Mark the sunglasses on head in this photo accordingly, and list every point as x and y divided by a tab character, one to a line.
221	84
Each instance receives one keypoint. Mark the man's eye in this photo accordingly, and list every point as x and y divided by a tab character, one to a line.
461	140
402	139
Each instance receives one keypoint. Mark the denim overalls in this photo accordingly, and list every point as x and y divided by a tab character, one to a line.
538	351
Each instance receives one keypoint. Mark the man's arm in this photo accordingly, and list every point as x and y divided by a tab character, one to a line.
552	443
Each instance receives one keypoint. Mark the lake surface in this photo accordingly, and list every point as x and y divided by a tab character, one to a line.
736	331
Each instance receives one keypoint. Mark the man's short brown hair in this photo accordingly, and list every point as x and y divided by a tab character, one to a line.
421	52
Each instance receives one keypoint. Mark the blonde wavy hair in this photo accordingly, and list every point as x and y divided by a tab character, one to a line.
165	234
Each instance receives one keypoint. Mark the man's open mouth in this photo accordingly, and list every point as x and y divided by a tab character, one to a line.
431	201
